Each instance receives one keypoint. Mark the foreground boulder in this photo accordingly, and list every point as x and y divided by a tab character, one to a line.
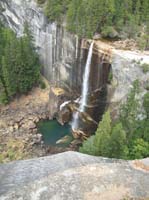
74	176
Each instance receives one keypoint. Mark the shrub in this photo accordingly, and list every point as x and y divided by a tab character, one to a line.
117	142
109	32
41	1
110	77
99	144
145	67
14	149
146	103
88	146
42	84
143	42
139	149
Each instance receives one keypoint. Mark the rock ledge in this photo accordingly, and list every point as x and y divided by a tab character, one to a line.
74	176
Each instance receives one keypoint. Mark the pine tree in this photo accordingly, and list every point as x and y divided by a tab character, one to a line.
130	110
99	144
8	63
144	10
87	17
19	63
117	144
146	104
88	146
102	135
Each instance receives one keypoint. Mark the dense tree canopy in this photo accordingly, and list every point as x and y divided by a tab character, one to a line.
111	18
19	64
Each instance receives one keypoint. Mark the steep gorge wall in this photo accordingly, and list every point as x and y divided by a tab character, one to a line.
61	53
56	47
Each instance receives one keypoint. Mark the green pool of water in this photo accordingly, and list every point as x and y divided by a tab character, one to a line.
52	132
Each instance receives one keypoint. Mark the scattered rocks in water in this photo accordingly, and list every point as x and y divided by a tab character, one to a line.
64	140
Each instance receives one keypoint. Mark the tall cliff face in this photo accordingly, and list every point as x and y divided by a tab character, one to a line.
57	48
62	54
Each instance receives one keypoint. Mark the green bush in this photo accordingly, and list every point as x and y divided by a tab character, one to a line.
55	9
143	42
109	32
41	1
117	144
139	149
146	103
99	144
42	84
145	67
3	99
88	146
146	85
110	77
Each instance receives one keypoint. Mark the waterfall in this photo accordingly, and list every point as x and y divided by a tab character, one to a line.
85	87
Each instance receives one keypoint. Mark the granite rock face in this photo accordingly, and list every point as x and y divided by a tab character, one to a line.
62	54
127	67
74	176
57	48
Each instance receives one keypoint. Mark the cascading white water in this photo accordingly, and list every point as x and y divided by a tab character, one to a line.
85	88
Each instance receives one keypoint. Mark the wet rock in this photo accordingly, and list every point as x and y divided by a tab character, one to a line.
64	116
79	134
74	145
64	140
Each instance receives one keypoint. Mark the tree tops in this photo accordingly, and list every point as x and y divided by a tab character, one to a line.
108	17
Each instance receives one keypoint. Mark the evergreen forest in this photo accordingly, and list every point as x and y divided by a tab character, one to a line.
110	18
19	64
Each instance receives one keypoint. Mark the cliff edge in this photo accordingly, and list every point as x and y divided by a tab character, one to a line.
74	176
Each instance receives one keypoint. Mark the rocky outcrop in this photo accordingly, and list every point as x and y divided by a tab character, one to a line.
126	68
72	176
